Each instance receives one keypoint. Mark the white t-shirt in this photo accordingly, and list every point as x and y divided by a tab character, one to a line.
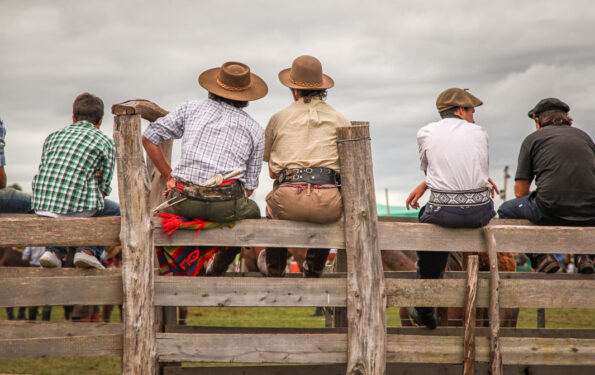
454	153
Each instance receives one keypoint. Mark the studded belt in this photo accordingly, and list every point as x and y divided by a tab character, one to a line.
314	176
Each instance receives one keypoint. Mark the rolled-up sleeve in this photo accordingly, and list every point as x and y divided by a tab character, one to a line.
167	127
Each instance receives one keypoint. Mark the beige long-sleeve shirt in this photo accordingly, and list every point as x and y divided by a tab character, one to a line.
303	135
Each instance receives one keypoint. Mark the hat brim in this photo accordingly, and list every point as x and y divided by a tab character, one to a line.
258	88
327	82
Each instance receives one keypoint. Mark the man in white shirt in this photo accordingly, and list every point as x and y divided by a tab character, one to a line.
454	156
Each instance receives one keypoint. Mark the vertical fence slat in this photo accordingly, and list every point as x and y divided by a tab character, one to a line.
139	354
494	306
470	315
366	297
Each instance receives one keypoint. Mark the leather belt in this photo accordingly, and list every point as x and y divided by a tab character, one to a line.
227	192
314	176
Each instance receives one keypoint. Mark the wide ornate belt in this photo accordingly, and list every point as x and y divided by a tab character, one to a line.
475	197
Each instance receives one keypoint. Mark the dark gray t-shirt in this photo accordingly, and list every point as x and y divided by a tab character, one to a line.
562	161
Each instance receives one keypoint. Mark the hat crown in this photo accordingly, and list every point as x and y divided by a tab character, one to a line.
456	97
548	104
234	76
306	71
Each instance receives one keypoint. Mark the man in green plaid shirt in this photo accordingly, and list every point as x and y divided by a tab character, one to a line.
77	165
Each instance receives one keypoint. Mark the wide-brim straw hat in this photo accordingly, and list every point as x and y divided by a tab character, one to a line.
306	74
233	80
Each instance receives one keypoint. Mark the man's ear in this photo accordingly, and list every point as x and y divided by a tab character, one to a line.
73	118
99	122
537	124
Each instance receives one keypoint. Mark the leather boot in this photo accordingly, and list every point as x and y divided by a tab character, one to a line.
272	262
584	264
222	260
315	261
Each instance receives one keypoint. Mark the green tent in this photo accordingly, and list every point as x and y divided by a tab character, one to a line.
396	211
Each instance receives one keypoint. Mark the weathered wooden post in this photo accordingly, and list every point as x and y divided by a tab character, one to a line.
494	306
366	297
470	315
139	353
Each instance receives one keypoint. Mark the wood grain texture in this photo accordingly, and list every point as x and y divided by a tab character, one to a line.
139	356
239	291
366	298
331	348
77	290
470	314
62	346
391	368
33	230
260	233
494	308
18	329
143	107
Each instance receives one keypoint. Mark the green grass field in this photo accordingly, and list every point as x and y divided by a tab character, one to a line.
252	317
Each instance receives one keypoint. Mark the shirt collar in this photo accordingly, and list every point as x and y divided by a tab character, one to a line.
83	123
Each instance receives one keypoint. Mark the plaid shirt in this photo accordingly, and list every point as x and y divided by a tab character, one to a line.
67	181
216	138
2	144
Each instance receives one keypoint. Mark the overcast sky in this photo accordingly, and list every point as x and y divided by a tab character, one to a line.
389	60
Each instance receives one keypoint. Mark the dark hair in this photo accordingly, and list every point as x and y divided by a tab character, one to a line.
553	117
235	103
87	107
449	112
309	94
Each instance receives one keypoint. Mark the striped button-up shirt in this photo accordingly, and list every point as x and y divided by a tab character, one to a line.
77	164
216	138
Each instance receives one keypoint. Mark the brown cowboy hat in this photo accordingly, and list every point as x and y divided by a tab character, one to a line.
233	81
306	74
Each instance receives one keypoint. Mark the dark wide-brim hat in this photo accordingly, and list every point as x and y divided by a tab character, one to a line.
306	74
233	81
548	104
455	97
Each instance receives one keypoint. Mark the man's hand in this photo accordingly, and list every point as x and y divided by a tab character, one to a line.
2	178
415	195
494	188
249	192
522	188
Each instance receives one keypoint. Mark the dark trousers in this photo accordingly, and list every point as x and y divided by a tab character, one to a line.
276	260
527	208
431	264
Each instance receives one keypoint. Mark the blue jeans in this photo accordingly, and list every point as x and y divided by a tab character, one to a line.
110	208
527	208
14	201
431	264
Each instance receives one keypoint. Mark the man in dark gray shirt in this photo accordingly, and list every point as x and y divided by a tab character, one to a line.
561	159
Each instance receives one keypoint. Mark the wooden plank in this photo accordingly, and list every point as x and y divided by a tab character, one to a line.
16	329
331	348
470	315
511	238
254	348
340	313
259	232
238	291
88	290
440	331
143	107
139	356
33	272
32	230
241	291
366	298
71	346
391	368
513	293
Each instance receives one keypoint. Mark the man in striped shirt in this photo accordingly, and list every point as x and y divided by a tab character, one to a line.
75	174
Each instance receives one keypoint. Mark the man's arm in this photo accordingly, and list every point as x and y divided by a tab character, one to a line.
415	195
155	153
2	178
522	188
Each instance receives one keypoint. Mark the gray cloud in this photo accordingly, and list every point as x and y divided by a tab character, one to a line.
389	59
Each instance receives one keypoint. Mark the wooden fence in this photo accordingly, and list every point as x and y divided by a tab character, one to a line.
363	346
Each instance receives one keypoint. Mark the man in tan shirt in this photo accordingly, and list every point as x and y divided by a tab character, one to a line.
301	150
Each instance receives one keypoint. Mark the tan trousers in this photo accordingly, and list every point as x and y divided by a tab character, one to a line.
302	203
